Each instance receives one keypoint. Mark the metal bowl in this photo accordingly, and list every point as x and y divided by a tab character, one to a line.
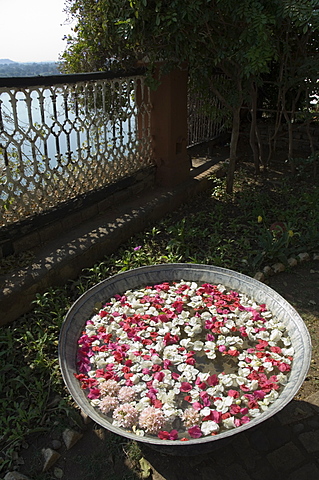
83	309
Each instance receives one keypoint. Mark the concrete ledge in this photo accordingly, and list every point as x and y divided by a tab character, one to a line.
80	247
43	227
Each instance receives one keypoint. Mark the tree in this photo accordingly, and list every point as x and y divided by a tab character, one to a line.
293	78
235	38
241	45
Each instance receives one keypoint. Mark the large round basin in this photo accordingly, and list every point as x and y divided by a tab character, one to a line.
83	309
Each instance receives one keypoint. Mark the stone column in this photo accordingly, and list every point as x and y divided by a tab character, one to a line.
169	128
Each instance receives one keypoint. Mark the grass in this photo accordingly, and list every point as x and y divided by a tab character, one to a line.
234	231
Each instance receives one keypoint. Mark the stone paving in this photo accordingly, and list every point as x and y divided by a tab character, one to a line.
62	257
284	447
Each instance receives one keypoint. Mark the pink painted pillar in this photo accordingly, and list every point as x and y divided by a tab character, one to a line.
169	128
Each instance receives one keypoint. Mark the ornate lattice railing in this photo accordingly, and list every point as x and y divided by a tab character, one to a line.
207	118
64	136
205	121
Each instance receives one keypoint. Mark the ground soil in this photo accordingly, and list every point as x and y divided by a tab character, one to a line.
97	456
300	287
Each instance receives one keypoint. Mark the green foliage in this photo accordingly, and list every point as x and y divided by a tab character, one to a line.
215	228
292	77
266	43
304	13
30	375
275	244
307	167
203	33
200	32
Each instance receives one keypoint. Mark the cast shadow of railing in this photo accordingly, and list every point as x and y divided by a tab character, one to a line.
285	446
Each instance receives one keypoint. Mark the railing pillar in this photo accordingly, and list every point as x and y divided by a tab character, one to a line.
169	128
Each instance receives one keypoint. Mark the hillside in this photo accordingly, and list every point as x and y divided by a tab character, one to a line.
15	69
5	61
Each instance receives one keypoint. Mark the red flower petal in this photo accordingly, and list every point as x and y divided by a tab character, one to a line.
195	432
185	387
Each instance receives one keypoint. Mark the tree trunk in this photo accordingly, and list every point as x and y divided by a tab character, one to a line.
253	127
233	150
312	148
290	141
261	149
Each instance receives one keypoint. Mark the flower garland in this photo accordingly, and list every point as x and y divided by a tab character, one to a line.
182	360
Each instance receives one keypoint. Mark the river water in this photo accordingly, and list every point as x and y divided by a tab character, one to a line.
60	133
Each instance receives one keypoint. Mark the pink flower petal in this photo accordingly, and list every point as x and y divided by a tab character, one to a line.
185	387
94	393
173	435
244	420
212	380
233	393
195	432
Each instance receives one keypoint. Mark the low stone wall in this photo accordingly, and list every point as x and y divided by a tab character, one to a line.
73	249
35	231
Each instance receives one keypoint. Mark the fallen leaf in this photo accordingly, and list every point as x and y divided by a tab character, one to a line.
145	467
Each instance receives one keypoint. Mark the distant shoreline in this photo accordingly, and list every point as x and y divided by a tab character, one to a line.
28	69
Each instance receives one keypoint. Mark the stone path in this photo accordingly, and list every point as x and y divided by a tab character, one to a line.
284	447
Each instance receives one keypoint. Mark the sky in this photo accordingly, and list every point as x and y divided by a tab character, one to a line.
32	30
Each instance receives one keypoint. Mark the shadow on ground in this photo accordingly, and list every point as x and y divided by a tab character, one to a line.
286	446
283	447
